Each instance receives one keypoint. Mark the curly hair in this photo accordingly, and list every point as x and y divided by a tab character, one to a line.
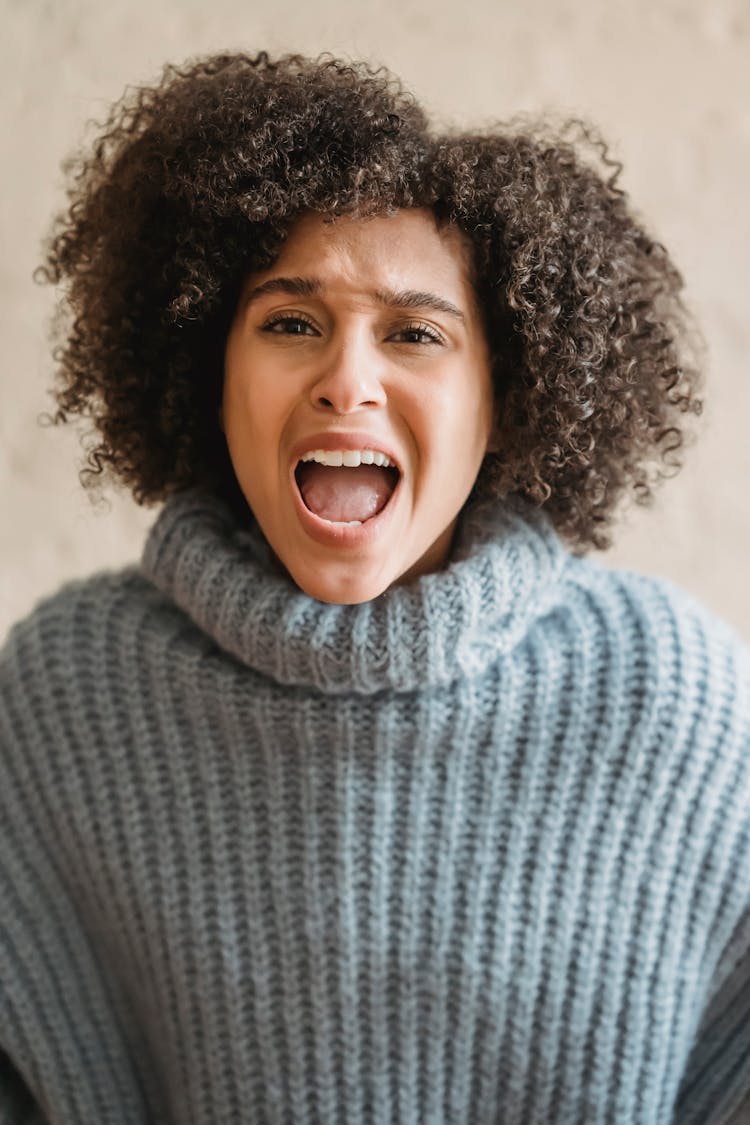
195	182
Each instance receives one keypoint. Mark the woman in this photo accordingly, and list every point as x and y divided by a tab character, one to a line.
366	797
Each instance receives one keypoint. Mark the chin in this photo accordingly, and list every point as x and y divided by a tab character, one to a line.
350	589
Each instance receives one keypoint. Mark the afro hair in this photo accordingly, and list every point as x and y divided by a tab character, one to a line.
195	182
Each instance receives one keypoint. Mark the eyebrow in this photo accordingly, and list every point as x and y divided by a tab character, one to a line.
417	299
392	298
294	286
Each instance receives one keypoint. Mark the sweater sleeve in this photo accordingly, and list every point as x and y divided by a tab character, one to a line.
65	1054
716	1085
17	1106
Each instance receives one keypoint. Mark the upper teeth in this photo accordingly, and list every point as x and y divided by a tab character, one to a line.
349	457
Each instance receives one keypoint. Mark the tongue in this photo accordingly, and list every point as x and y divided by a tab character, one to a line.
344	494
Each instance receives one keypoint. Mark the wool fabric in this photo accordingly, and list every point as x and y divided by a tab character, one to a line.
475	851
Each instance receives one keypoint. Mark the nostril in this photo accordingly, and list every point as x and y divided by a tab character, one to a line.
345	408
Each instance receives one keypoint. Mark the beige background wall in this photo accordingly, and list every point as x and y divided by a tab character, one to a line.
667	80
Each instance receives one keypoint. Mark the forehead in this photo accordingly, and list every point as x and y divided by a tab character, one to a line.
388	250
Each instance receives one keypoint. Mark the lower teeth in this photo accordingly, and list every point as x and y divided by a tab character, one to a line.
345	523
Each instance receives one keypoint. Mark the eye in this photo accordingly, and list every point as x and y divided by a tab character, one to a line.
290	324
417	334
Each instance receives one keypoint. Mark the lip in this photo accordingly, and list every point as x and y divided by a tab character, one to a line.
323	532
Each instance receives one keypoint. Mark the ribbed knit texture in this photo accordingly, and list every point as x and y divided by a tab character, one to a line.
477	851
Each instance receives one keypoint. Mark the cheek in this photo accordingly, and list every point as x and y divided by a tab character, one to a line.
456	421
478	418
236	407
247	403
240	414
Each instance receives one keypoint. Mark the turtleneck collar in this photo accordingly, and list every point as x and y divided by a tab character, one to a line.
504	573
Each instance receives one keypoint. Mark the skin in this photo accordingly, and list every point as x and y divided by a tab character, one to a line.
345	356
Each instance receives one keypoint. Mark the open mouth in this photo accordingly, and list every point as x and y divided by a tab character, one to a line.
346	487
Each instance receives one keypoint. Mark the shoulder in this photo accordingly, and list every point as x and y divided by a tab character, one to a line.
86	629
93	669
81	609
669	684
663	615
666	652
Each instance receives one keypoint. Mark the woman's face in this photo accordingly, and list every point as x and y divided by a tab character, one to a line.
363	339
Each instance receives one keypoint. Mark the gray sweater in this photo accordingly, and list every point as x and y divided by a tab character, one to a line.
474	852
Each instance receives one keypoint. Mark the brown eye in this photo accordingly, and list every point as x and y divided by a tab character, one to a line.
417	334
287	325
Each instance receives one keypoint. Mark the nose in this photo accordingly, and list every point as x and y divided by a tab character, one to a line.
351	377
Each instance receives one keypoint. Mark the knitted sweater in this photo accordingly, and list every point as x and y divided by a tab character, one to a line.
476	851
